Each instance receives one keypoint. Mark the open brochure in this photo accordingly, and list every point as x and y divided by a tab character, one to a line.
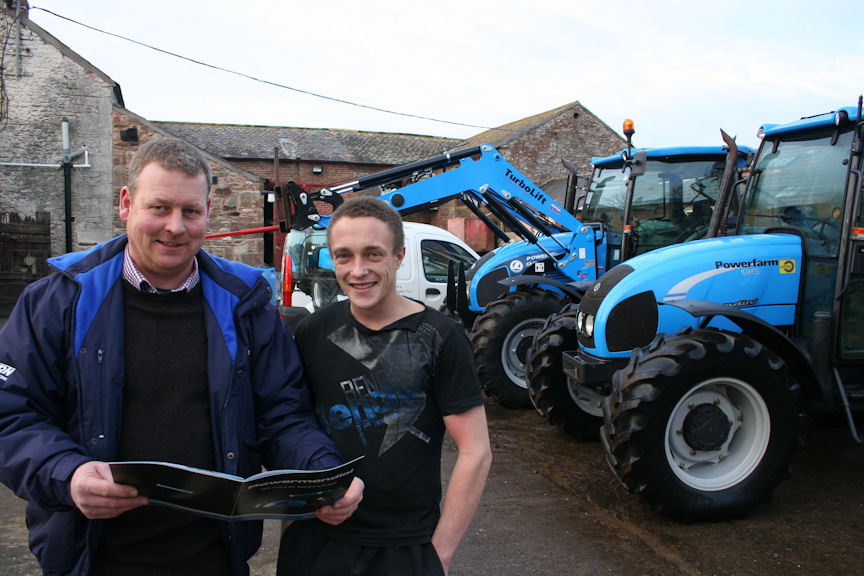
284	494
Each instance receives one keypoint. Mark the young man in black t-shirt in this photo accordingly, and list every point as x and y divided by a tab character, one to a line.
388	377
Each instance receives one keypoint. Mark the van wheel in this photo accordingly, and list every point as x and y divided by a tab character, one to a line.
501	338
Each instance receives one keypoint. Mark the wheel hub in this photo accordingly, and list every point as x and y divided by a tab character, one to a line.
522	348
708	454
514	352
706	427
702	427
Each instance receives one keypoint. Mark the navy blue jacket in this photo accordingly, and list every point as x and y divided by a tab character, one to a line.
61	388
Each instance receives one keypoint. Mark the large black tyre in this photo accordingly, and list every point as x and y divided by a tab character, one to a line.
501	337
702	424
548	390
324	291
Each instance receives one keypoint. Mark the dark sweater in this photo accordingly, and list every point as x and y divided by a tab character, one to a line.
166	417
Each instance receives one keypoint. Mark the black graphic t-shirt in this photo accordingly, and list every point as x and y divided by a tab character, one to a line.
382	394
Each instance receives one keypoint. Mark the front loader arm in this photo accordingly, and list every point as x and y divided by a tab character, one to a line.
472	173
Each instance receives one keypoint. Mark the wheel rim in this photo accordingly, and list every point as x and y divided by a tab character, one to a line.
317	296
708	453
587	399
514	352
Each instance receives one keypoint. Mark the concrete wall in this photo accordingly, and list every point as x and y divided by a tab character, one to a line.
55	83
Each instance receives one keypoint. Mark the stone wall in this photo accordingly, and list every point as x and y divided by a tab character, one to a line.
576	136
236	201
301	171
52	86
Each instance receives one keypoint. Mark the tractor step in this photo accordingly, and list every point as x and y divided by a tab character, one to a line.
855	395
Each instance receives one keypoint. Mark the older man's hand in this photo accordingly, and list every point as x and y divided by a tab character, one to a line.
97	496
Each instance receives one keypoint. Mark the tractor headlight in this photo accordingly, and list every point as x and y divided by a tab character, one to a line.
588	329
584	324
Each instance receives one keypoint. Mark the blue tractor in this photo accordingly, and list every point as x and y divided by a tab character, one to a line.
701	356
549	255
636	202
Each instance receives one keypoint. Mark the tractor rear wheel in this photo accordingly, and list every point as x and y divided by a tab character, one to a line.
501	337
547	384
702	424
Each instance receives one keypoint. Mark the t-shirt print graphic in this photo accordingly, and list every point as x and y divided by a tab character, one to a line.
394	395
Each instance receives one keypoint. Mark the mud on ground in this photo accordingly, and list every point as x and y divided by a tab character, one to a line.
552	507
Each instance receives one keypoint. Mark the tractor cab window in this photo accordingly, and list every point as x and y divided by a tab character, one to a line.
673	201
852	306
606	198
800	183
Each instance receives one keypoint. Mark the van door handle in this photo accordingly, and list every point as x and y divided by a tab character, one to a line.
432	292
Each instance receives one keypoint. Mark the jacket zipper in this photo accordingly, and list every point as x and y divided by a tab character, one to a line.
100	399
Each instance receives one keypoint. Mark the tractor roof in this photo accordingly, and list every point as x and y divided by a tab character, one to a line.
836	117
669	153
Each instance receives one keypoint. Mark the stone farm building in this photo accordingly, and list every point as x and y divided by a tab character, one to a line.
66	139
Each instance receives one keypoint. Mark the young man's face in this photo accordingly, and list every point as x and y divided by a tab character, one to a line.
365	262
166	220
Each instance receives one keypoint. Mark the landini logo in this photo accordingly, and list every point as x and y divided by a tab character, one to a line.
787	266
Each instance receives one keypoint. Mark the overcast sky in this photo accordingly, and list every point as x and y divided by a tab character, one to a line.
680	70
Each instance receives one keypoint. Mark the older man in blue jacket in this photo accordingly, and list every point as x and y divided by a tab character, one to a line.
149	348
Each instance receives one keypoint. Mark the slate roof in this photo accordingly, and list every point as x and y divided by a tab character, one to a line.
502	135
211	157
240	142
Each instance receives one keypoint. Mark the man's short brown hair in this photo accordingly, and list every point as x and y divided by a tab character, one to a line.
368	207
170	154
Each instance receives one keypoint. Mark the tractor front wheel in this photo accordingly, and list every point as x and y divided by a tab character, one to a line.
702	424
501	338
579	415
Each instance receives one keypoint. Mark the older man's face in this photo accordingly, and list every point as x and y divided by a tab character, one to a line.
166	220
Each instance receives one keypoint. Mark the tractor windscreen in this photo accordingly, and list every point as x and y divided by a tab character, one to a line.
800	183
672	200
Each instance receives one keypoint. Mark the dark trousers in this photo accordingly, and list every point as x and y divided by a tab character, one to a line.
212	561
305	552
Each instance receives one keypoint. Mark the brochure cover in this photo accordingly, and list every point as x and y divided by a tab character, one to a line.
283	494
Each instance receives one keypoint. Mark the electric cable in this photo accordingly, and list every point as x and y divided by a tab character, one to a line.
256	79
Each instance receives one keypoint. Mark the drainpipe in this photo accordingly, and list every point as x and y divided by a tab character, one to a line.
67	166
18	39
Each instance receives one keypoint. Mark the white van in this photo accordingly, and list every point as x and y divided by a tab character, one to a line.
422	276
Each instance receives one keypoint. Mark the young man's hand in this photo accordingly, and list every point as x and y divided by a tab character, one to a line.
342	508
